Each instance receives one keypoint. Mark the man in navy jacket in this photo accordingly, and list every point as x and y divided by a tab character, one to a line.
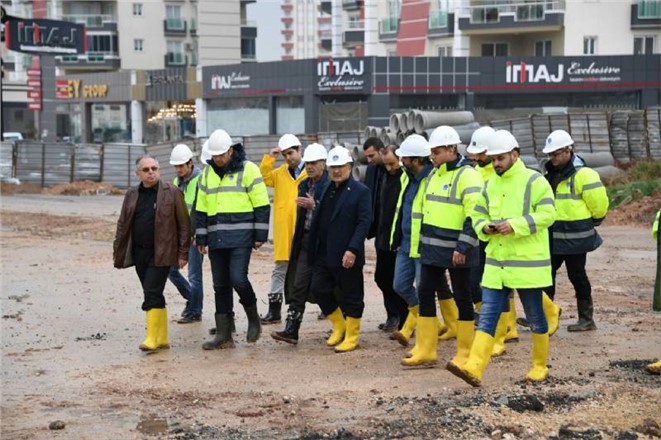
337	250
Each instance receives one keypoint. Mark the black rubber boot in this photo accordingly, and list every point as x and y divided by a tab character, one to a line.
223	337
212	331
391	324
585	322
273	315
290	333
254	324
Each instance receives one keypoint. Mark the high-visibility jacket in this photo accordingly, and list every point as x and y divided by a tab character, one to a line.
655	225
189	187
486	171
396	230
284	204
521	259
581	203
452	192
232	211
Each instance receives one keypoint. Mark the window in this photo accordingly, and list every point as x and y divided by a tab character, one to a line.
589	45
644	45
102	43
175	53
248	48
173	17
445	51
543	48
495	49
137	9
137	44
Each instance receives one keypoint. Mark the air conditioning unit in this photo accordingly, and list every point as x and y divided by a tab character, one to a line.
189	47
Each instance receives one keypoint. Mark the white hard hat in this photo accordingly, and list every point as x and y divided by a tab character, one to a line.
414	146
180	155
219	142
338	156
480	140
444	136
557	140
288	141
205	156
314	152
502	141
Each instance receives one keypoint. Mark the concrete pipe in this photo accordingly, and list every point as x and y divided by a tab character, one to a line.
368	131
358	154
375	132
403	122
465	131
400	137
608	171
595	160
410	120
530	162
389	138
425	120
394	122
359	172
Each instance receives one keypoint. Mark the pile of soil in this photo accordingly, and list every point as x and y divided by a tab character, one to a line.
9	188
639	213
84	188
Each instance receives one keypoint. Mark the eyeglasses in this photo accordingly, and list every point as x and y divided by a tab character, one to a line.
147	169
557	153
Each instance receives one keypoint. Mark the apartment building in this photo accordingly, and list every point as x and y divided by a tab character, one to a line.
306	29
490	27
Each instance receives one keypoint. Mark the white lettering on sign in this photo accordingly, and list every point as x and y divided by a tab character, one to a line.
232	81
529	73
576	73
339	68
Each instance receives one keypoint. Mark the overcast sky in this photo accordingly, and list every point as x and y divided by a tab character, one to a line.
267	14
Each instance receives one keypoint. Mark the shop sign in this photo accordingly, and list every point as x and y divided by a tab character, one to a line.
340	76
232	81
44	36
155	79
575	72
70	88
34	89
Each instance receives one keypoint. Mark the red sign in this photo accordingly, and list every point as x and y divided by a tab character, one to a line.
34	72
36	83
35	106
34	94
63	89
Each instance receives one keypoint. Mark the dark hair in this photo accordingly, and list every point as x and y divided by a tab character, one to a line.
373	142
390	149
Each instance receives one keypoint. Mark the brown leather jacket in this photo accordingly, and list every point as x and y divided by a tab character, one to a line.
172	235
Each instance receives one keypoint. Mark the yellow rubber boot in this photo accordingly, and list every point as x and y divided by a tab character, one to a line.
450	314
339	328
552	312
402	336
512	333
478	359
351	336
151	341
162	338
540	355
441	326
414	350
654	368
426	340
465	335
499	337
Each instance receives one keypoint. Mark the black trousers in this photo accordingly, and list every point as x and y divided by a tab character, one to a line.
384	275
476	274
349	281
575	265
229	269
152	278
298	296
461	286
443	290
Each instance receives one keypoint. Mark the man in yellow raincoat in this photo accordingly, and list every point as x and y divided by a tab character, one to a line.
284	180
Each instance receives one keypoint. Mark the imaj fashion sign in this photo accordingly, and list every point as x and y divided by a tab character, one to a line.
43	36
341	75
571	71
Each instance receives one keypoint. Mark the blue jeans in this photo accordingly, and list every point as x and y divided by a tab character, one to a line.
229	268
192	289
407	271
496	301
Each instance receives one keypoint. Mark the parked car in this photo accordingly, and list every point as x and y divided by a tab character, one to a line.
12	136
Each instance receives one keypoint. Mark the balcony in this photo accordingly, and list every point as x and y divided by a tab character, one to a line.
388	28
326	7
89	61
287	21
174	59
352	5
94	22
646	14
326	44
440	24
502	17
287	7
174	27
248	29
287	57
354	35
287	46
193	27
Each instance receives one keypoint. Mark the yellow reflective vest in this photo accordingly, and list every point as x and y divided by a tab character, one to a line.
521	259
452	191
486	171
581	203
189	187
284	204
655	225
232	211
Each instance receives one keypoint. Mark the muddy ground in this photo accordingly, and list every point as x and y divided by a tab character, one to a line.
71	325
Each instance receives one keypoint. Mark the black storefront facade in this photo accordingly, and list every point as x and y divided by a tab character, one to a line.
346	94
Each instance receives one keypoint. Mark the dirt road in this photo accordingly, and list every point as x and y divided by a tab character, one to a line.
71	325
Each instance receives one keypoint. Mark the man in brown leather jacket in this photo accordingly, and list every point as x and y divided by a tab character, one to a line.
153	233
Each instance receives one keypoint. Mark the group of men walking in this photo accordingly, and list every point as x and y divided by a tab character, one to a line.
491	224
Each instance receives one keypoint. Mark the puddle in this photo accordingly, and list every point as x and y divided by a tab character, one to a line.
152	425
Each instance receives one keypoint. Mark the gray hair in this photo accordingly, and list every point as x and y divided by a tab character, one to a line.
145	156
